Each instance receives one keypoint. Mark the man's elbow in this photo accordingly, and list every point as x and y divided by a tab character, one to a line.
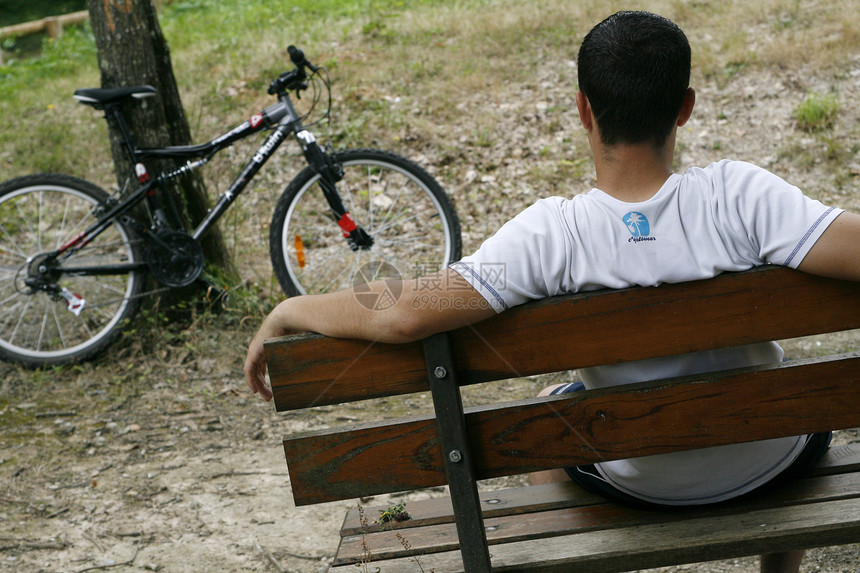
405	327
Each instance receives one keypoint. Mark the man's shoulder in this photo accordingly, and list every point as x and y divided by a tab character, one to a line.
731	178
550	207
725	167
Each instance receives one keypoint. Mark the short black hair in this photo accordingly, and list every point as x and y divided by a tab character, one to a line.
634	68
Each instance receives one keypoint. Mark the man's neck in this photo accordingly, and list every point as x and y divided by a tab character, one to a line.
633	173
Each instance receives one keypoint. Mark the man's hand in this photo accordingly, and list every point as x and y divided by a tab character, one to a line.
255	360
255	368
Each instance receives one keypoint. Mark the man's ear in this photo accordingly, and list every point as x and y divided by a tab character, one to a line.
687	106
586	116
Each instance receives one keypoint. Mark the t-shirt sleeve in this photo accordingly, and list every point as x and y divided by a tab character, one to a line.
524	260
780	222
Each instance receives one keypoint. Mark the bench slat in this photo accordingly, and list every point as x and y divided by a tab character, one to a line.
572	332
664	542
532	498
602	516
581	428
509	501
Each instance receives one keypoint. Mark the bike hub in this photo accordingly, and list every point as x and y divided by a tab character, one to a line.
42	273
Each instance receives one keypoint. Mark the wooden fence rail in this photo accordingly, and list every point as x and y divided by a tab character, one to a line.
53	25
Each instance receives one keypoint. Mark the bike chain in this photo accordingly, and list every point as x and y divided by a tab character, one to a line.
139	295
135	242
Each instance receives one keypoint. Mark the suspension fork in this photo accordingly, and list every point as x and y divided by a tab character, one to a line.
330	173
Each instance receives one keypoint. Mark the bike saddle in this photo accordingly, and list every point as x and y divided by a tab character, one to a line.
98	97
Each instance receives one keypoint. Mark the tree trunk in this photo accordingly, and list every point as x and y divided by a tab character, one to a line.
133	51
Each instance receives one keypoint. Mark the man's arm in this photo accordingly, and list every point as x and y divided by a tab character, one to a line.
437	303
837	252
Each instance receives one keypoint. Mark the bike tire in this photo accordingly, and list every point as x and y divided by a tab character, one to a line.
410	217
38	214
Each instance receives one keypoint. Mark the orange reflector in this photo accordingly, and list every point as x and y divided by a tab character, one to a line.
300	251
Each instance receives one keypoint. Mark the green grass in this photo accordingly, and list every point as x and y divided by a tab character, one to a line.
430	56
817	112
214	45
226	51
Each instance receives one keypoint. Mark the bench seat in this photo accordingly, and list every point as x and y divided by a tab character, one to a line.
559	527
524	518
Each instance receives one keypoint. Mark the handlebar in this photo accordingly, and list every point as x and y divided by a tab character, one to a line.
293	80
298	58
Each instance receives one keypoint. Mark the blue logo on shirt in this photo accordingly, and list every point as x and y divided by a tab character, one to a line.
637	224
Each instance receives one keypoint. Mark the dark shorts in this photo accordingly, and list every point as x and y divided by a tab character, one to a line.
588	477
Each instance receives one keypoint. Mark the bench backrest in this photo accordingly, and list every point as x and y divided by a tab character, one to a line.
564	333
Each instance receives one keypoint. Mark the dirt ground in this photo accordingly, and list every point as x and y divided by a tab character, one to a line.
187	475
163	462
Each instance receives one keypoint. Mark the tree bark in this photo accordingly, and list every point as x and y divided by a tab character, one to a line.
133	51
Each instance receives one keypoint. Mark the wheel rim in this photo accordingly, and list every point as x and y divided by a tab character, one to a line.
41	218
395	207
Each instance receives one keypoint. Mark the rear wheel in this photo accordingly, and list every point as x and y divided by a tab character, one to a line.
411	220
59	318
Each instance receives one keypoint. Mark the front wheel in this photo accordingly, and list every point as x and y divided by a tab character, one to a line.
411	221
49	317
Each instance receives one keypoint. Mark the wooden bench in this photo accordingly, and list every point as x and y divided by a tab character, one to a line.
560	527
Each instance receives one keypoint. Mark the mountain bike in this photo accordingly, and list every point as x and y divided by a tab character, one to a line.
74	259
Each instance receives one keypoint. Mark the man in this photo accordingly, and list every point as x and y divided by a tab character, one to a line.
642	225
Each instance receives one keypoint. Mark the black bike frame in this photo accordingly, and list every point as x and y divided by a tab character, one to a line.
282	115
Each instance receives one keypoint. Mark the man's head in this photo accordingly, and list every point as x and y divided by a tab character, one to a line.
634	68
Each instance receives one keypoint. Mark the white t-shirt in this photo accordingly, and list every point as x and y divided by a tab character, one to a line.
729	216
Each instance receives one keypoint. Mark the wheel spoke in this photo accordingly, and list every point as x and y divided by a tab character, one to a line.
405	212
20	320
16	248
45	315
36	327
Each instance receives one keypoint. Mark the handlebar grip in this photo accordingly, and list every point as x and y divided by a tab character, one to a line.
298	58
296	55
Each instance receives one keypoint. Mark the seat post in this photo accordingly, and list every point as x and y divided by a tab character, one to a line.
112	111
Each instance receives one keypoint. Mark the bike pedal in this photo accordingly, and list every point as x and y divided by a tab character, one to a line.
213	296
